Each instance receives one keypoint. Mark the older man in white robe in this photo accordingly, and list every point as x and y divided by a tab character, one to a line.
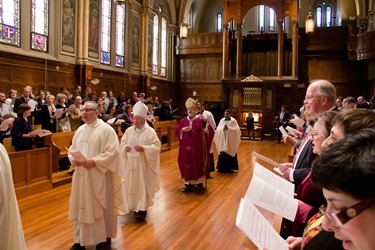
227	140
141	151
97	187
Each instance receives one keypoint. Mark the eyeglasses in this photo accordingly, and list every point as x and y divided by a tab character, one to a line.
308	97
87	110
343	216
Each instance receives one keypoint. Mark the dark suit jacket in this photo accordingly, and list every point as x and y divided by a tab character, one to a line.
18	102
285	118
303	165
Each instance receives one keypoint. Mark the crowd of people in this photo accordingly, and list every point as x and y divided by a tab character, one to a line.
333	153
333	169
63	112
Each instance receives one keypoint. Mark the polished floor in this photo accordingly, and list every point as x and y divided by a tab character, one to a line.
176	221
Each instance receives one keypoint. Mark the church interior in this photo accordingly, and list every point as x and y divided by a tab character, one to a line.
243	55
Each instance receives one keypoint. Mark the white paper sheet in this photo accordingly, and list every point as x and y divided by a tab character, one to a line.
290	129
33	104
5	124
266	159
255	226
272	192
41	132
132	142
59	112
282	130
299	122
77	155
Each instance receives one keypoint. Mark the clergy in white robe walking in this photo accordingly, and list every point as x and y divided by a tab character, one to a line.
98	193
141	150
227	140
11	234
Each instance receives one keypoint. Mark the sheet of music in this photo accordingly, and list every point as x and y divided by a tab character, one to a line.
272	192
257	228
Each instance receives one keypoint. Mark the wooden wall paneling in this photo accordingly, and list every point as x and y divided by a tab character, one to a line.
4	74
16	76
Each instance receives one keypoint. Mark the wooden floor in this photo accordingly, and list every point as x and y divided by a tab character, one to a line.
176	221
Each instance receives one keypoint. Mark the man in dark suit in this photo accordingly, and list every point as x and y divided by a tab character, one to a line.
23	99
320	97
282	119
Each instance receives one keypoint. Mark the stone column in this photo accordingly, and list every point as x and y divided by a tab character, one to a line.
144	11
239	51
280	49
295	49
225	51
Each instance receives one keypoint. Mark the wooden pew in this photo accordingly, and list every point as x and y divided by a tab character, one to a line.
7	143
166	129
31	170
59	142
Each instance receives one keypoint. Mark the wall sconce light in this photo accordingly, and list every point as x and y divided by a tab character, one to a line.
95	81
153	87
184	27
194	93
310	23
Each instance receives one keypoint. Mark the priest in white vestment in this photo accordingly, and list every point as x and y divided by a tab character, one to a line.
141	150
98	194
227	140
11	235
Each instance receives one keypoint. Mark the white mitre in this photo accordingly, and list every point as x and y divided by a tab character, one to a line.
140	109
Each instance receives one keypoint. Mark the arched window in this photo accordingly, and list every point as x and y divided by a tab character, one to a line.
329	16
10	22
105	43
155	45
39	25
163	62
120	35
319	16
160	43
324	13
272	25
219	21
261	15
266	19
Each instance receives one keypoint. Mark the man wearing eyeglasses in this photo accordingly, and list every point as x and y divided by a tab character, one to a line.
320	97
97	180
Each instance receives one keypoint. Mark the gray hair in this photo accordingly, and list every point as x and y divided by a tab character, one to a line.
326	88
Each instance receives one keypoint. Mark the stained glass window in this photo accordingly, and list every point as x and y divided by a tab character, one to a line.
219	20
120	34
39	25
10	22
319	20
261	18
105	54
329	16
272	26
163	62
155	44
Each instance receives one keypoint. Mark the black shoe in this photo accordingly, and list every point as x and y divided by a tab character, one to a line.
199	188
187	188
77	246
105	244
140	216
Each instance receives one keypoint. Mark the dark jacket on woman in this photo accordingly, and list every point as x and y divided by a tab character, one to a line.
20	127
